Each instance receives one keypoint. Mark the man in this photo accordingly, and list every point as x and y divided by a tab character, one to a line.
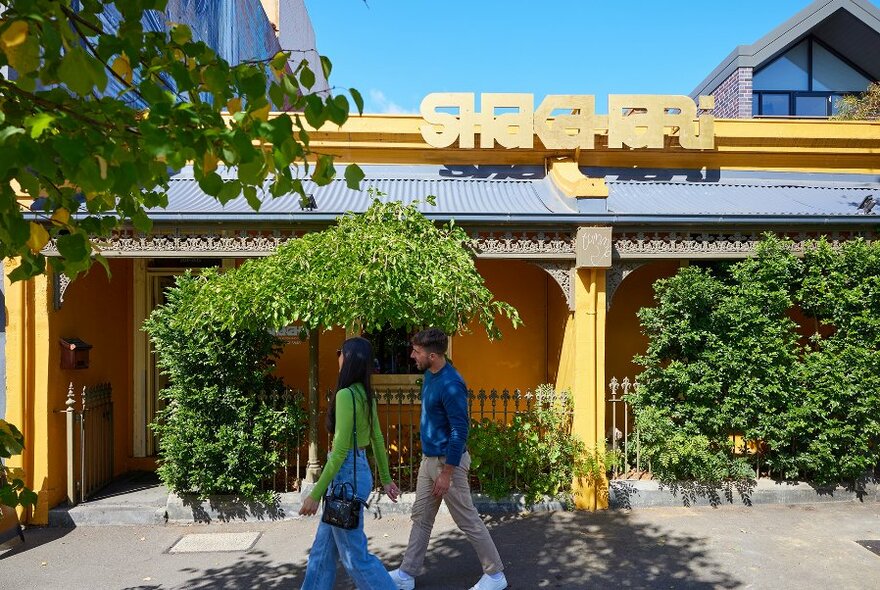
443	473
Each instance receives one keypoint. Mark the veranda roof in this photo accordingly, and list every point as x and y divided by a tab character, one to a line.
526	195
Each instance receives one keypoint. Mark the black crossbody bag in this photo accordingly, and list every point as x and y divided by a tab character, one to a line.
341	510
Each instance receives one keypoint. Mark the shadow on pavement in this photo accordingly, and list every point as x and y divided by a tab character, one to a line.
548	550
33	538
577	550
255	570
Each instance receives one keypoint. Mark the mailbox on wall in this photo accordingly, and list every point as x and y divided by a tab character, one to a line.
74	353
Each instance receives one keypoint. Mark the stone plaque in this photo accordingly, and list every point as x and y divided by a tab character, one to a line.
593	247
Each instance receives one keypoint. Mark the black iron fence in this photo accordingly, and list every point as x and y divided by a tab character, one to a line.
399	412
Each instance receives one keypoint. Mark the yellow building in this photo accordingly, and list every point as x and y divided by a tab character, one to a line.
573	217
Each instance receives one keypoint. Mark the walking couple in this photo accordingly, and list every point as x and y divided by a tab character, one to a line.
443	473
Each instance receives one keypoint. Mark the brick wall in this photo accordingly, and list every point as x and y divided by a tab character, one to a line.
733	97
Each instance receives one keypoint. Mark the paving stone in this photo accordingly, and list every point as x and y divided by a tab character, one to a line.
214	542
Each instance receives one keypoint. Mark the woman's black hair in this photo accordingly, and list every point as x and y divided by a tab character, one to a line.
357	366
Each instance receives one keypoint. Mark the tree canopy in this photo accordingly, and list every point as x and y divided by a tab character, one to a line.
865	106
90	160
726	357
390	266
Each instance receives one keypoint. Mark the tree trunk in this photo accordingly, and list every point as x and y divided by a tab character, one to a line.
313	467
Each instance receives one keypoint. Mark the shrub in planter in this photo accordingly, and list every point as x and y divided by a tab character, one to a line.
724	357
535	454
224	425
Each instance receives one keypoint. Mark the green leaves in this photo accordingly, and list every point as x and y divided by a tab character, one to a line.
724	358
307	78
324	171
38	123
67	143
358	100
368	271
13	492
535	454
81	72
225	415
181	34
353	176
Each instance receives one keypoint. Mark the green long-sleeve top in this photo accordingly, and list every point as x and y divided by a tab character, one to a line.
342	438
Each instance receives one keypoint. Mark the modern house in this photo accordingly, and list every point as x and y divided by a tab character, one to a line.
803	66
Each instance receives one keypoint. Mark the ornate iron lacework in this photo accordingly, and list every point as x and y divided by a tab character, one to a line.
539	245
245	244
501	245
616	275
562	273
644	245
61	282
523	245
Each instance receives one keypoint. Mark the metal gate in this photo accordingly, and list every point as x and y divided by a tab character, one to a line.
89	441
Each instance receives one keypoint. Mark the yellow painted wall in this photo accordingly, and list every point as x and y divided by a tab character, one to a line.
27	336
560	341
293	365
519	359
623	335
97	310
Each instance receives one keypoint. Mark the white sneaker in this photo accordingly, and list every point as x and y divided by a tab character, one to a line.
403	583
487	583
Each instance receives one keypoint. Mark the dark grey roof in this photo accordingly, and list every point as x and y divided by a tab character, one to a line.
690	198
525	195
460	192
851	27
738	193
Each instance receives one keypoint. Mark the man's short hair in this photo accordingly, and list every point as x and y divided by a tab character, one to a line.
432	340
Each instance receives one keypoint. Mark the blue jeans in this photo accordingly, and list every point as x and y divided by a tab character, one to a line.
349	546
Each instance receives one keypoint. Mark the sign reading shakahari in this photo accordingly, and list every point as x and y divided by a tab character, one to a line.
566	121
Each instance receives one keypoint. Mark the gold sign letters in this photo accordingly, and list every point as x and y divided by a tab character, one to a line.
566	121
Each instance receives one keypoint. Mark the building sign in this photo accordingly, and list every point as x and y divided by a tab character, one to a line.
566	121
291	334
593	247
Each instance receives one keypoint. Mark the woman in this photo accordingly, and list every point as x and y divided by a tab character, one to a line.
332	543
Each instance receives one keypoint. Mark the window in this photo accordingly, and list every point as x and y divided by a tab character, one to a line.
805	81
832	73
790	71
391	350
811	106
775	104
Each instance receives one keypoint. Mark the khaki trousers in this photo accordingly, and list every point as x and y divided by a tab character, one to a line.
461	507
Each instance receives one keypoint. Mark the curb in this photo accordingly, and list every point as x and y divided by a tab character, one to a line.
103	515
630	494
188	509
623	495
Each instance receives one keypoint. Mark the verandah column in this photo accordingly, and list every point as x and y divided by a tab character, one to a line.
27	382
594	256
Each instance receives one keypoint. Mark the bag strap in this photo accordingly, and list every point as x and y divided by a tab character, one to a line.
354	441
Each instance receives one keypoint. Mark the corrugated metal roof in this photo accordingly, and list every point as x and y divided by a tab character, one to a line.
525	191
720	198
526	194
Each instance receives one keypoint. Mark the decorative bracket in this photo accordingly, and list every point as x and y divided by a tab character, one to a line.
62	281
562	272
615	276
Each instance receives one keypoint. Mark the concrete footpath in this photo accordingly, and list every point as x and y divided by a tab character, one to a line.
763	546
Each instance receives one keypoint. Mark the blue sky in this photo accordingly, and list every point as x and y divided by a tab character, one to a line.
397	51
